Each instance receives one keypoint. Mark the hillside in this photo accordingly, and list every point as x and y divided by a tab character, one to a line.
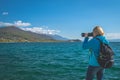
14	34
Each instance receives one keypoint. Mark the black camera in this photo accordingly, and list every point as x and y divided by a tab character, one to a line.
89	34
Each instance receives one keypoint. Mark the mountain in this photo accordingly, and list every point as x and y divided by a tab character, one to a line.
57	37
74	40
15	34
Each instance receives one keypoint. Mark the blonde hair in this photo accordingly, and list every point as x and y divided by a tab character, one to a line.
98	30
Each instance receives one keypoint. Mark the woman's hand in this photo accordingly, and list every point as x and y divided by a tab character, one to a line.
86	35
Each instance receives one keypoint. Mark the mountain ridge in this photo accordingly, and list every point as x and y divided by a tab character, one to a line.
15	34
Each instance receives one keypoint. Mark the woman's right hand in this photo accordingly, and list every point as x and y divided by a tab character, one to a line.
86	35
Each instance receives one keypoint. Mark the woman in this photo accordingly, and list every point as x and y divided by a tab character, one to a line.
94	46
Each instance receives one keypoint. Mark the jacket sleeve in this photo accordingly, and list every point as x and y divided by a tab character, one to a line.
88	44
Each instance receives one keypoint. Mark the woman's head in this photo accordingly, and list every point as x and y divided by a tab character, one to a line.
97	31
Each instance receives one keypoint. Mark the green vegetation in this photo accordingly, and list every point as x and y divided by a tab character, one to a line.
14	34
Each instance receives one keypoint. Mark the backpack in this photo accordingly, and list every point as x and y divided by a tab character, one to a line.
105	58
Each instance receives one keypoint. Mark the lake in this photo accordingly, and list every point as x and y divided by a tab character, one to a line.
50	61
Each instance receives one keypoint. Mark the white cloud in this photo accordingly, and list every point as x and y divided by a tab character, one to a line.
5	24
24	25
41	30
5	13
112	35
20	23
16	23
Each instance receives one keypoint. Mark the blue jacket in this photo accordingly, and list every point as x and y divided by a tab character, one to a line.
94	46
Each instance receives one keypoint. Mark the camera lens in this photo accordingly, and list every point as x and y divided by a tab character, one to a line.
89	34
82	34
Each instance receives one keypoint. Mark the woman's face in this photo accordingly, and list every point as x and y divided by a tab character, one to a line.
94	34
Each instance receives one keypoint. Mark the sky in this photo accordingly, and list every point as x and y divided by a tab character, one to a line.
67	18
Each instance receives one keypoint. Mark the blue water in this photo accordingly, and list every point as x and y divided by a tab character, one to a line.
49	61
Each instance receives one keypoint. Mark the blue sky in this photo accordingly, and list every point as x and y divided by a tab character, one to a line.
68	18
